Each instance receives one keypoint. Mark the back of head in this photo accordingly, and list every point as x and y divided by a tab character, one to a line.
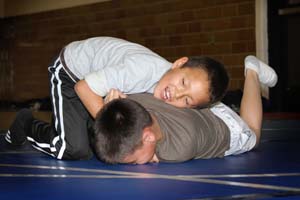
118	129
217	76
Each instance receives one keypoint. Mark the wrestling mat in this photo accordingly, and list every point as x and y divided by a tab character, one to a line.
270	172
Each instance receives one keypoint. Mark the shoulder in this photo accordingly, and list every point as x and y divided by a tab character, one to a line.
176	149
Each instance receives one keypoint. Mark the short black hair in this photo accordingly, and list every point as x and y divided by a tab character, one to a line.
118	129
217	76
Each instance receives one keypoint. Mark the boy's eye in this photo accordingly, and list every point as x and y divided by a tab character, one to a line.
187	102
183	81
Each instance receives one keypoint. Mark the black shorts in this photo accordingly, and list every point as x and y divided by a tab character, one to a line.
68	135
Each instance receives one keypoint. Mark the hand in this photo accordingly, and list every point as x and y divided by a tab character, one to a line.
114	94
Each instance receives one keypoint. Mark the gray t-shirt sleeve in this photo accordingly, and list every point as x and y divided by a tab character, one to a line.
97	82
137	74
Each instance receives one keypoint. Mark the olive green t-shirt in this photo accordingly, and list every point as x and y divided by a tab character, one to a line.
187	133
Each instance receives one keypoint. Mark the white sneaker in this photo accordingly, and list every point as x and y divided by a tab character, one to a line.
266	74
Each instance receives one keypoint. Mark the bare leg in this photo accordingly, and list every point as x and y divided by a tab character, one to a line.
256	73
251	105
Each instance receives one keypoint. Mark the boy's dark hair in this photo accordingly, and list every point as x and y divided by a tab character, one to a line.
217	76
118	129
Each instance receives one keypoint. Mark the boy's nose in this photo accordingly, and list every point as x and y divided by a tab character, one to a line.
154	159
180	93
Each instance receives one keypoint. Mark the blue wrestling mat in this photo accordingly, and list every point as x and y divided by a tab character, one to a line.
270	172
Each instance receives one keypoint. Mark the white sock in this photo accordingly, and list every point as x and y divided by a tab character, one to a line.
266	74
251	62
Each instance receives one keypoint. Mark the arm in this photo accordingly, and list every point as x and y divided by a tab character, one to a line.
90	100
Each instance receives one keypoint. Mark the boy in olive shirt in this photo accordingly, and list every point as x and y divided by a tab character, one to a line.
143	129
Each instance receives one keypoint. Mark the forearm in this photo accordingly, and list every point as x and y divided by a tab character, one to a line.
93	106
92	102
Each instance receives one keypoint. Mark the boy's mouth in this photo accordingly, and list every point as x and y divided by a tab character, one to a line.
167	94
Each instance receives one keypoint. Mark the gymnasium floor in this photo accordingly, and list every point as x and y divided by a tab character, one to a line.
270	172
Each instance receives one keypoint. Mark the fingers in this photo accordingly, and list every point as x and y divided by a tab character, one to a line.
114	94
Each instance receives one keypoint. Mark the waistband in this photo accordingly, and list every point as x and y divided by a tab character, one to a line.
66	68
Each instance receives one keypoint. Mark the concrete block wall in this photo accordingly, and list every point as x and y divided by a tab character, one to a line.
222	29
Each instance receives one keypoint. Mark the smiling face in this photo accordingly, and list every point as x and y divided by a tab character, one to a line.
183	87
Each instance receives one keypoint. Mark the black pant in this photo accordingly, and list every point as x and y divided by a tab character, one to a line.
67	137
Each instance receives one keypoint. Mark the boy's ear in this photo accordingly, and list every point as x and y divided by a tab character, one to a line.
179	62
148	135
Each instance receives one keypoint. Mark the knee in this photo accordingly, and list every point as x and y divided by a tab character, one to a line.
81	152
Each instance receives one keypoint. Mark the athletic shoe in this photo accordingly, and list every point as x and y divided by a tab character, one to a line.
266	74
17	132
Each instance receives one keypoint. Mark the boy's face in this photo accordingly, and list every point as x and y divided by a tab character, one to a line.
144	154
183	87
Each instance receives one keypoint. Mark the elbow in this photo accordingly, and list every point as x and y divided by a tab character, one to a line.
78	86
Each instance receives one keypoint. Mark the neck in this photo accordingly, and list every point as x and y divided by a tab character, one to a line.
156	128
